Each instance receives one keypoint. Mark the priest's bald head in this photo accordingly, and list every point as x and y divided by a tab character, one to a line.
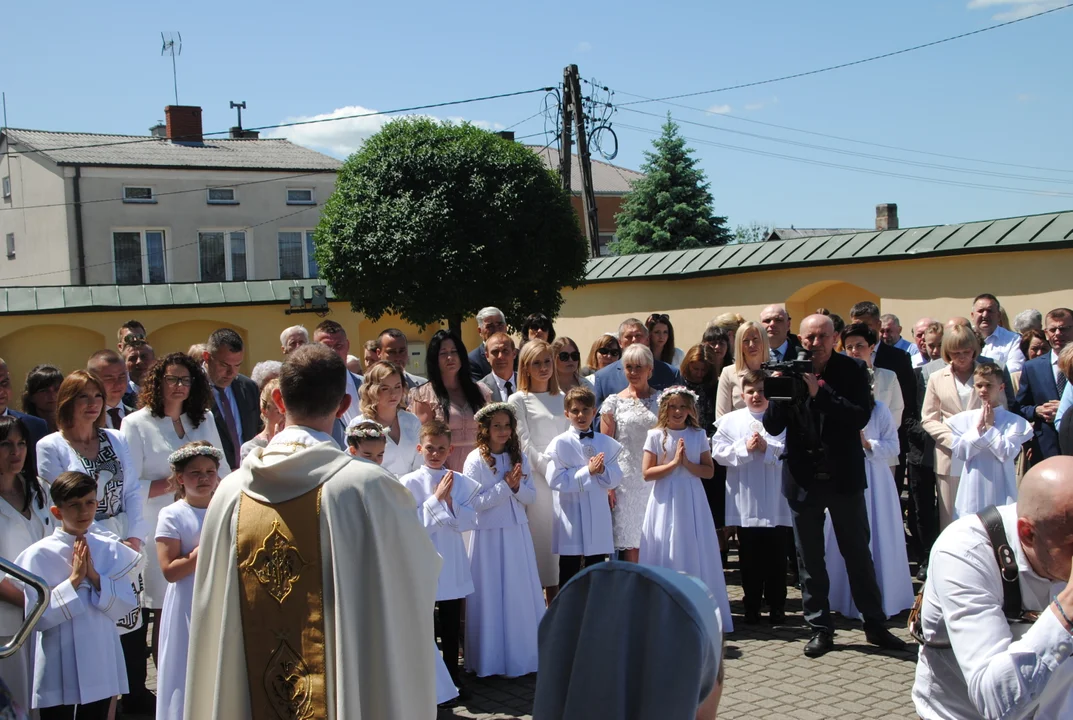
312	387
1045	517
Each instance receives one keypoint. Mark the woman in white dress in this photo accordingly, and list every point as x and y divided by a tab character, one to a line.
24	519
750	351
383	396
175	401
628	416
887	537
858	341
538	406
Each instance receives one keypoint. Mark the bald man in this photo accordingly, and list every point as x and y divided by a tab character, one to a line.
782	344
975	662
920	329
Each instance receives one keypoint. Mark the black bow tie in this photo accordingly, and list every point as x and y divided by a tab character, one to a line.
590	434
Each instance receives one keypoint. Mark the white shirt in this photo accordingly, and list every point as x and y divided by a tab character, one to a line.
355	401
1054	366
108	415
993	668
501	384
920	360
402	457
1004	348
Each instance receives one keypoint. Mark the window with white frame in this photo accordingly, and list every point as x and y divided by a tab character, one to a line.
222	196
138	195
138	257
300	196
222	255
296	258
7	186
11	246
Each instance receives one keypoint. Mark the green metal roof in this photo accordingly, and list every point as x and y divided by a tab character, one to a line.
1033	232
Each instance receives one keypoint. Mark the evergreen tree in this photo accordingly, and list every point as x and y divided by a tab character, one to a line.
671	207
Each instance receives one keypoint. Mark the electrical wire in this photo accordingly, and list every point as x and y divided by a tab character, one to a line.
852	63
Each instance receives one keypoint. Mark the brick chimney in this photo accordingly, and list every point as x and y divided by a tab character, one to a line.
183	123
887	216
506	134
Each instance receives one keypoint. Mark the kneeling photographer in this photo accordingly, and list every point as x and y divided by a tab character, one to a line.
823	400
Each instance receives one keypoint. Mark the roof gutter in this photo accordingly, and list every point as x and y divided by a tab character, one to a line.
80	243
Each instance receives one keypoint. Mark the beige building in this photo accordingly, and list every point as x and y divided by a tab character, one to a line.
174	207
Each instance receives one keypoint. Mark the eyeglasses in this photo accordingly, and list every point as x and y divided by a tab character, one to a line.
613	352
175	380
565	356
659	317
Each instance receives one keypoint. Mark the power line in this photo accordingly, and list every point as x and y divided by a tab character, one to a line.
841	66
294	123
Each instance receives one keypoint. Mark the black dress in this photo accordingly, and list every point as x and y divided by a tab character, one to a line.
714	487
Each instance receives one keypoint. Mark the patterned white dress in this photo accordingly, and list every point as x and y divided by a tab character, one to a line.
633	419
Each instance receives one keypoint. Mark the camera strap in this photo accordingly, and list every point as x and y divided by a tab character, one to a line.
1007	562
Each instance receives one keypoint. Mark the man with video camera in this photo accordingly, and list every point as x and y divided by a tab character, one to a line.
823	400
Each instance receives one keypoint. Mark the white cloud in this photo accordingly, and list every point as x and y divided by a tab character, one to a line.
584	46
720	109
1014	9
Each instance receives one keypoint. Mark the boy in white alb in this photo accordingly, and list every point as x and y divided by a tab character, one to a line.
444	505
78	666
987	441
583	471
755	503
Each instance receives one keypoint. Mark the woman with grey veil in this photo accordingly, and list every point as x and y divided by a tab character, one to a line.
590	668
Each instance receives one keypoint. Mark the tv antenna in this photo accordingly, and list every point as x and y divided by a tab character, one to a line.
173	44
240	106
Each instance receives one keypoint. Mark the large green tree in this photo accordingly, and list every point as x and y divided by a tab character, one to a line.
670	208
432	221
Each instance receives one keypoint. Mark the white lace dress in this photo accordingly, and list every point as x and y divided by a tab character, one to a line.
633	419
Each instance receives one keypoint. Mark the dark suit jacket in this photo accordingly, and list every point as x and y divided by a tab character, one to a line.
37	428
1037	387
478	363
921	444
489	382
248	399
898	361
612	379
793	344
840	411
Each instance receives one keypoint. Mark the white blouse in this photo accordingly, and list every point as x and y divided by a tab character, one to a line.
16	534
400	457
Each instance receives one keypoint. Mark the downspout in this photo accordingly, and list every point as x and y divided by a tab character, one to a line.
80	244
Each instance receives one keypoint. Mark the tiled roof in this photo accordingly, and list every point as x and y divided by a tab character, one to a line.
143	151
794	233
607	179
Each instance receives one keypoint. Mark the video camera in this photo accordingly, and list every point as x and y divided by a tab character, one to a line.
789	386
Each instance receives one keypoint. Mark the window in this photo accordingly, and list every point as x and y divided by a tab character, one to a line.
138	195
223	255
7	186
11	246
605	241
222	196
139	257
296	255
300	197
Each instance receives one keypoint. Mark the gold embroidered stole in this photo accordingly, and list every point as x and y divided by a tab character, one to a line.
282	604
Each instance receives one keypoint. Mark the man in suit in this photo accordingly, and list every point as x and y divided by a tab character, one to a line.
1042	384
824	471
236	401
393	347
331	334
490	320
112	370
782	344
502	356
139	358
612	379
36	427
920	470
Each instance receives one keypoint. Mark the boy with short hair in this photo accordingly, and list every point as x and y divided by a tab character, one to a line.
986	443
78	667
444	505
755	503
582	472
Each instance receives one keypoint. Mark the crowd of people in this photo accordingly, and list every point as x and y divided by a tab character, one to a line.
528	464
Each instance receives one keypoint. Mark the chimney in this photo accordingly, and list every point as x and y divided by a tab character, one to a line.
183	123
238	133
887	216
160	130
506	134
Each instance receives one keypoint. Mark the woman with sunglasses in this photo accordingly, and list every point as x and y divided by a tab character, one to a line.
604	351
661	339
568	364
175	401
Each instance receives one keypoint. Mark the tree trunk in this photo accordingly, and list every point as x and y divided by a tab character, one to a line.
454	323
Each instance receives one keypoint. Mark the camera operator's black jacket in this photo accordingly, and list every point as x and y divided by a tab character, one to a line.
839	411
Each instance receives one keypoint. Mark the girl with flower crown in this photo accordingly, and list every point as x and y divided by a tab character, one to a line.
678	531
195	474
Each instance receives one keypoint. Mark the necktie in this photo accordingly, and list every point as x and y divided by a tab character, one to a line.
229	420
1062	382
588	434
117	419
776	356
510	389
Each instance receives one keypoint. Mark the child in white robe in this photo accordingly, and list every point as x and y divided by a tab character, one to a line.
507	604
754	500
79	660
195	475
987	441
886	531
582	468
445	508
678	530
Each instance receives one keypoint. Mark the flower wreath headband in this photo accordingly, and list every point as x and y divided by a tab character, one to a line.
367	430
187	452
678	390
493	408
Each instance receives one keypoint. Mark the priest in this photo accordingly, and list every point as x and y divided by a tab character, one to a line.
315	583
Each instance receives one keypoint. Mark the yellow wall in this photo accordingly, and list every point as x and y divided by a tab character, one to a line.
940	287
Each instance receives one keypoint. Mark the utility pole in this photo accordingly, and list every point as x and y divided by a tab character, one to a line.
565	131
572	85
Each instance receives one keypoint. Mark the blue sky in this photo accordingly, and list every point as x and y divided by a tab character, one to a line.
1002	96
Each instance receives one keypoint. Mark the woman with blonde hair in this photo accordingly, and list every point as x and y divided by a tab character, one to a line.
567	364
538	406
272	418
750	351
383	397
730	322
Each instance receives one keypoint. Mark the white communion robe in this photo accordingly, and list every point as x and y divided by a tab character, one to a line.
78	658
378	570
887	539
754	479
582	511
989	475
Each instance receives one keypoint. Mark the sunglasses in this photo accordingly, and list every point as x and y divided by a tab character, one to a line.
565	356
659	317
609	351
